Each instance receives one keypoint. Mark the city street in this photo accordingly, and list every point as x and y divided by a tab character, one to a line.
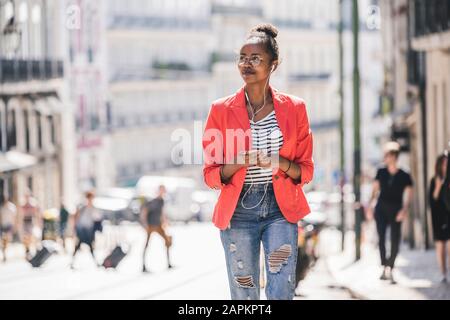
199	271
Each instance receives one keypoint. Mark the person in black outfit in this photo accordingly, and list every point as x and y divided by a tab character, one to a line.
440	215
390	187
63	221
153	220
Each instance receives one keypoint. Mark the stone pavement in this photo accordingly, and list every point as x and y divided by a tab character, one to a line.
199	273
417	274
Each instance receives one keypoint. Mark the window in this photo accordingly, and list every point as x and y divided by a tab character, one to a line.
23	12
166	117
51	125
39	130
11	130
138	168
8	11
123	172
27	130
90	55
122	121
30	183
1	132
36	32
23	20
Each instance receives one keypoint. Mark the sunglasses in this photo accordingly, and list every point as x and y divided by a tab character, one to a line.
253	60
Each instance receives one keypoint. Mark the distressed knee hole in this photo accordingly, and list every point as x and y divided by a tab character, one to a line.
245	282
232	247
279	257
240	265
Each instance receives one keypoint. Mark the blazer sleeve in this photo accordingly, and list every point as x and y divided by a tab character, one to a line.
212	143
304	149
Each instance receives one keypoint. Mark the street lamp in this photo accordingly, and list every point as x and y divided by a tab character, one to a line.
12	36
11	33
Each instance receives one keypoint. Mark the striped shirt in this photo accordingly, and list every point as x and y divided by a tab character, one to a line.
267	137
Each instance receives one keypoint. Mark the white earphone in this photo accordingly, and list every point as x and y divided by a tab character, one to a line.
273	69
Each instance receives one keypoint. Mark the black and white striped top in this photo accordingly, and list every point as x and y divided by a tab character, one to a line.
266	136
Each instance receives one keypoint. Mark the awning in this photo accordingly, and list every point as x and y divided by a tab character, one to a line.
14	160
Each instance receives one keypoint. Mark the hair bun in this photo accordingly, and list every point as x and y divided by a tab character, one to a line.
266	28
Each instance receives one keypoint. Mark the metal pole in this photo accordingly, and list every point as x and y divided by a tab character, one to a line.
356	131
423	110
341	121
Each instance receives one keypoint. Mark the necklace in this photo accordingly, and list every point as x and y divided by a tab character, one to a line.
253	109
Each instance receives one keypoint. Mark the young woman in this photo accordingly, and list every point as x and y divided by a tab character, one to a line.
258	151
440	216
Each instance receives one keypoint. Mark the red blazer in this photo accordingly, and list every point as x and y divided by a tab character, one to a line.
219	146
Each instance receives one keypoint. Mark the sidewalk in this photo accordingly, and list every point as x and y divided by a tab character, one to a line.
416	273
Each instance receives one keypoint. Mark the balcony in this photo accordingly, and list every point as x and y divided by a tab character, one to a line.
158	71
26	70
156	22
430	16
236	10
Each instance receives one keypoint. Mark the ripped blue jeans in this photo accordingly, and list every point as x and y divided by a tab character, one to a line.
242	244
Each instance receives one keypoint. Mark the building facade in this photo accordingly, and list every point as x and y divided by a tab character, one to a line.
416	89
35	117
86	79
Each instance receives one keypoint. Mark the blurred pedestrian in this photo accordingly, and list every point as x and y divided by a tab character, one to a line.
262	175
392	189
30	218
440	215
8	222
84	226
154	220
63	221
98	222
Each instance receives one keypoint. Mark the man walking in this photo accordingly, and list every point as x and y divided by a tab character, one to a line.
153	220
393	190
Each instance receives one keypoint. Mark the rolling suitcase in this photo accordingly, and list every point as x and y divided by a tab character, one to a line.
40	257
114	258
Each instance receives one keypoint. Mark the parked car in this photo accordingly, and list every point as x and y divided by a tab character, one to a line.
202	206
118	204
